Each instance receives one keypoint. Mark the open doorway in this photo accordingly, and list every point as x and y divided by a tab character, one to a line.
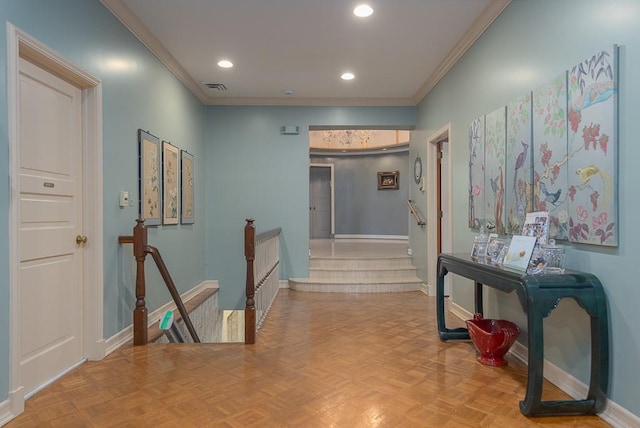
321	201
439	203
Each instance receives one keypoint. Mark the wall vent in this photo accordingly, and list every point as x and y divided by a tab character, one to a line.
218	86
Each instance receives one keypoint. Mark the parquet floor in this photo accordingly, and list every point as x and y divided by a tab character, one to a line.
321	360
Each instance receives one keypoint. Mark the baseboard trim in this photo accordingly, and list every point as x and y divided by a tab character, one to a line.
125	335
5	412
614	414
284	283
383	237
425	289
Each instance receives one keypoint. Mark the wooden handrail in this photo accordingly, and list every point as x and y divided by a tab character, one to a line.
140	251
414	212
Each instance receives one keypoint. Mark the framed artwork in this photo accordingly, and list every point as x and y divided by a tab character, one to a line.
592	150
187	208
170	166
518	177
476	173
388	180
550	156
150	185
494	174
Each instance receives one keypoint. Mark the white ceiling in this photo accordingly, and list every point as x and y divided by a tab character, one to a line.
398	54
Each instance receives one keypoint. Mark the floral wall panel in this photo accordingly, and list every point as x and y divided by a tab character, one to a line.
592	147
476	173
518	163
550	155
494	158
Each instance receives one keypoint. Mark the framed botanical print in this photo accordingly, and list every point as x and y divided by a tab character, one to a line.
150	185
186	181
170	167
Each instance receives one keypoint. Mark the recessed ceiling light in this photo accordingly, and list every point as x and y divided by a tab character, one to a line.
347	76
225	63
363	10
288	91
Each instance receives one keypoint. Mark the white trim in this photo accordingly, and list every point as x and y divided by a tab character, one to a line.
613	413
19	44
383	237
333	190
5	412
425	289
284	283
125	336
443	133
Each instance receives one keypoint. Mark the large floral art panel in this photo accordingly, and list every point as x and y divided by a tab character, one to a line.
476	173
149	179
550	157
518	163
494	161
170	174
592	149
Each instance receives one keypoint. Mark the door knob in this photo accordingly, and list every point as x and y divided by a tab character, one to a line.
81	239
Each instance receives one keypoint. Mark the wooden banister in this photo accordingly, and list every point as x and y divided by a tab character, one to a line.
140	313
250	287
414	213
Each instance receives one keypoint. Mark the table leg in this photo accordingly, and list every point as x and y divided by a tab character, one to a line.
478	298
444	332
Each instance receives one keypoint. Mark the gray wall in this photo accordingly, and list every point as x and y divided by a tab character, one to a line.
362	209
528	45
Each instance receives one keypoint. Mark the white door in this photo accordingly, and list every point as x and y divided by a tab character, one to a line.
50	292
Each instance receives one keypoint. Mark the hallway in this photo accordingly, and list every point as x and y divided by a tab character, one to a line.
321	360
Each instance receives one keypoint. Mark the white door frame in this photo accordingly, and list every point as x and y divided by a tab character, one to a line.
333	199
20	44
432	191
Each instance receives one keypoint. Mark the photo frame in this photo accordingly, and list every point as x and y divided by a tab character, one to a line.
149	180
388	180
187	206
519	252
170	176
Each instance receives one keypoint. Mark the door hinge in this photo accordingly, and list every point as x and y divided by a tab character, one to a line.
439	154
440	214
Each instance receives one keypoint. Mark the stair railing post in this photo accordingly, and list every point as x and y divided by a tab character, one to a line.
140	311
250	308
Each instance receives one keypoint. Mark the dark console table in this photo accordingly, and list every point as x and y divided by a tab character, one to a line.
538	296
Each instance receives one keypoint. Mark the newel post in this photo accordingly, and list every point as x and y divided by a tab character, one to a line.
250	308
140	312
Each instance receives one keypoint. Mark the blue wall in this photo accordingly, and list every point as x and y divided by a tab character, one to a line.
254	171
144	95
529	44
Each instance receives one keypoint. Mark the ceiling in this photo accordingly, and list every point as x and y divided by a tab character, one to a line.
397	54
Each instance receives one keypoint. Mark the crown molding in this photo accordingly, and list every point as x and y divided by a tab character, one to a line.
483	22
133	24
327	102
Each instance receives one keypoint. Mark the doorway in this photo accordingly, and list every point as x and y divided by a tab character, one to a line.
439	205
55	216
321	201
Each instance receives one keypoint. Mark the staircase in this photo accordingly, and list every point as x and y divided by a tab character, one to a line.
359	275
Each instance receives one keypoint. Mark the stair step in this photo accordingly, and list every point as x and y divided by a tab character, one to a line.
360	263
381	285
363	274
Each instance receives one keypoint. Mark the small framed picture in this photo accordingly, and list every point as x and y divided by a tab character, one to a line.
170	166
519	252
388	180
187	206
149	180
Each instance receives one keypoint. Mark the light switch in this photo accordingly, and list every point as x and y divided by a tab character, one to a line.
124	198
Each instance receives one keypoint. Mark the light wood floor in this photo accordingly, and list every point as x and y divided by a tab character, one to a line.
321	360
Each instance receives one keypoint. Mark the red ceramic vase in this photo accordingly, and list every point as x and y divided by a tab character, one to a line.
492	338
